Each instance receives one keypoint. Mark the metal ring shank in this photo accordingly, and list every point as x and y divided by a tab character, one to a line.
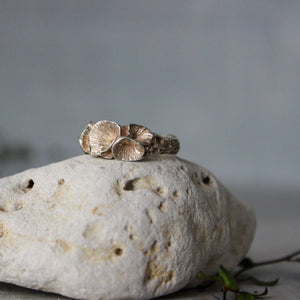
168	144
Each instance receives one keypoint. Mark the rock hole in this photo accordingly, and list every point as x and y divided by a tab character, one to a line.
119	251
206	180
30	184
131	236
183	168
129	185
154	247
148	214
61	181
161	206
176	194
160	190
169	277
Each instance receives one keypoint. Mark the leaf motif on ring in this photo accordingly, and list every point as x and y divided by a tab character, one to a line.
84	138
102	136
140	134
128	149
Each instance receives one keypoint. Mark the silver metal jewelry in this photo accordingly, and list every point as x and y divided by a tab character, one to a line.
109	140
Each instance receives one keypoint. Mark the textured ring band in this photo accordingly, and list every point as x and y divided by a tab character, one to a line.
109	140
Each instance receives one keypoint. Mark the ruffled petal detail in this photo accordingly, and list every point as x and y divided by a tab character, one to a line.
124	130
102	136
127	149
140	134
107	153
84	138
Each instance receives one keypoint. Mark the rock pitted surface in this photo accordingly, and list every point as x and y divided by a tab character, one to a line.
92	228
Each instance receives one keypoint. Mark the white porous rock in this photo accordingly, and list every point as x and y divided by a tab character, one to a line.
90	228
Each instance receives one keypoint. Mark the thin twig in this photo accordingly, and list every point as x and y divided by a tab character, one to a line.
225	294
288	258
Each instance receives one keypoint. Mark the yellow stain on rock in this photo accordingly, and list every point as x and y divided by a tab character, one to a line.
66	246
102	254
161	273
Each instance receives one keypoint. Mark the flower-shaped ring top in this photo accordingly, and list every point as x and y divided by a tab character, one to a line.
109	140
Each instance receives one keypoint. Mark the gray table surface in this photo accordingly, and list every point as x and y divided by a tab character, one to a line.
278	233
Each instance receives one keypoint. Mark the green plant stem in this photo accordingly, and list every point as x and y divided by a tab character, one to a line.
288	258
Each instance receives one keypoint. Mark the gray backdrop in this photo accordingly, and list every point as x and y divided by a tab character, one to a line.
224	76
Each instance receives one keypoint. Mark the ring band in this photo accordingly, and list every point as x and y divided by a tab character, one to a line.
109	140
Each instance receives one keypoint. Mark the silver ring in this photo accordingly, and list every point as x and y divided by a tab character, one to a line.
132	142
